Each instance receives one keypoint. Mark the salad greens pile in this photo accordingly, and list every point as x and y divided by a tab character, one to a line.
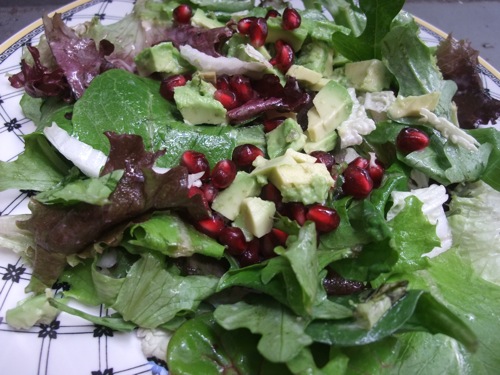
408	282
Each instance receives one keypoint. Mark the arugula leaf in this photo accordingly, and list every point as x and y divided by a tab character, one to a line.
151	296
282	332
379	17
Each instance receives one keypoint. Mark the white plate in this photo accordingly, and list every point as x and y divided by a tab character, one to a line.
71	345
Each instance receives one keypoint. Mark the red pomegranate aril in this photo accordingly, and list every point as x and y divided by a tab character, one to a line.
270	241
182	13
324	157
234	239
194	190
269	192
357	182
209	192
211	226
195	162
242	87
272	13
168	85
324	218
284	57
296	211
258	32
245	24
411	139
279	236
272	123
291	19
244	155
227	98
376	171
360	162
223	173
251	254
222	82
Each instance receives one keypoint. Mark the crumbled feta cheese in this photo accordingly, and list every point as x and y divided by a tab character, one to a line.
449	130
357	124
154	342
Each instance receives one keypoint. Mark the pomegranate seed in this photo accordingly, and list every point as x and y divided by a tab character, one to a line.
269	192
245	24
234	239
291	19
223	173
212	226
209	192
182	13
325	218
411	139
272	13
296	211
227	98
193	190
273	123
242	88
360	162
244	155
269	241
195	162
223	82
336	285
258	32
284	57
357	182
251	254
324	157
168	85
376	171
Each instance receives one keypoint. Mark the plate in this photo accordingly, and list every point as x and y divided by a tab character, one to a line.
70	345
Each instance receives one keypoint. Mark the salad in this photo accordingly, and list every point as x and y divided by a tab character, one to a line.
275	189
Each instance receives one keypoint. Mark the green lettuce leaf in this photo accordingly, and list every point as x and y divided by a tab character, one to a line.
282	332
38	168
151	296
168	234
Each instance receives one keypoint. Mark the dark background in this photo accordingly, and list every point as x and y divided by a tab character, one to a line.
477	21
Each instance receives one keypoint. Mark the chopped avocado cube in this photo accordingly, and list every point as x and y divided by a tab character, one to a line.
305	182
196	102
304	75
368	75
326	144
263	165
228	201
333	105
257	215
410	106
201	19
300	157
276	32
161	58
287	135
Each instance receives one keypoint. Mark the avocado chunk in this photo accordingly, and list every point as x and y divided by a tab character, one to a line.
276	32
161	58
298	177
410	106
332	106
257	215
368	75
196	102
229	200
201	19
304	75
287	135
326	144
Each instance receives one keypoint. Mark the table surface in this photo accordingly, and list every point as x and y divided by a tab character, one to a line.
474	20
